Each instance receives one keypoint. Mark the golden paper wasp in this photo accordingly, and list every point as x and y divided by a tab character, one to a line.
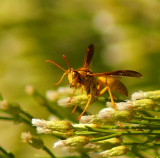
95	84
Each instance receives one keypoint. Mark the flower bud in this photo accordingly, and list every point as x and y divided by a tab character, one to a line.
109	143
59	143
61	126
65	91
29	89
11	108
36	142
90	147
155	95
143	104
116	151
86	119
52	95
122	106
137	95
92	119
65	134
84	125
122	116
77	141
77	100
106	114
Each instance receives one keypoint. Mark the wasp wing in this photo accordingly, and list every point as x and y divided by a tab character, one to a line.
88	56
119	73
117	86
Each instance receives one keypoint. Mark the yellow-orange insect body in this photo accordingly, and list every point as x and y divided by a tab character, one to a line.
95	84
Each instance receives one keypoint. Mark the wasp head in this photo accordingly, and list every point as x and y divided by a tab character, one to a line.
73	77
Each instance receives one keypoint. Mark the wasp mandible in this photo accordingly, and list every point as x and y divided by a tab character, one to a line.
95	84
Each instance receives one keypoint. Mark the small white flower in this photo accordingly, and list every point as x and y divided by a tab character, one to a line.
106	113
4	104
86	119
65	91
76	100
41	130
29	89
121	106
52	95
39	122
59	143
66	103
137	95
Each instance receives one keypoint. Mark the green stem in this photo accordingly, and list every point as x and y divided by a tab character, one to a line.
146	118
130	127
100	130
144	123
142	144
9	155
139	155
85	133
7	118
49	152
1	98
22	119
105	137
125	133
26	114
146	114
42	101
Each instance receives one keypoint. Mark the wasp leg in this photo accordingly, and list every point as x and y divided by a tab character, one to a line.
99	87
110	94
120	125
75	88
89	101
74	109
82	88
112	100
61	79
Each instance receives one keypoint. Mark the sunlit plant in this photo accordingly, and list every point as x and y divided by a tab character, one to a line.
98	135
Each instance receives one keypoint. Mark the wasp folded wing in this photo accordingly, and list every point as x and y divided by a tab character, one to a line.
119	73
88	56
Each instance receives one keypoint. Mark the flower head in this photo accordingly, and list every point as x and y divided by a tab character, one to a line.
116	151
36	142
77	100
60	126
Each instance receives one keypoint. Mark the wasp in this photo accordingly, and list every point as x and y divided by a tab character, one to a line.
95	84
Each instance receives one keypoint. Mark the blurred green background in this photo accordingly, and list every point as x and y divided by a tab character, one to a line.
126	35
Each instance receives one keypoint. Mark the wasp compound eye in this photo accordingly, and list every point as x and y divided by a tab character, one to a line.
74	74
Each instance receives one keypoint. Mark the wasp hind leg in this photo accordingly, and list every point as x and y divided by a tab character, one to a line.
110	94
74	109
88	103
112	100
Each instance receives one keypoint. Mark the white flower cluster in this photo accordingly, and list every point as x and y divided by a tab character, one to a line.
54	95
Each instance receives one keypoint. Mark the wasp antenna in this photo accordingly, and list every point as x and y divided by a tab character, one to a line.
50	61
67	62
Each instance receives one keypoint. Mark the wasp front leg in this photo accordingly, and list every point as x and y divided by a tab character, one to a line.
75	88
86	107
